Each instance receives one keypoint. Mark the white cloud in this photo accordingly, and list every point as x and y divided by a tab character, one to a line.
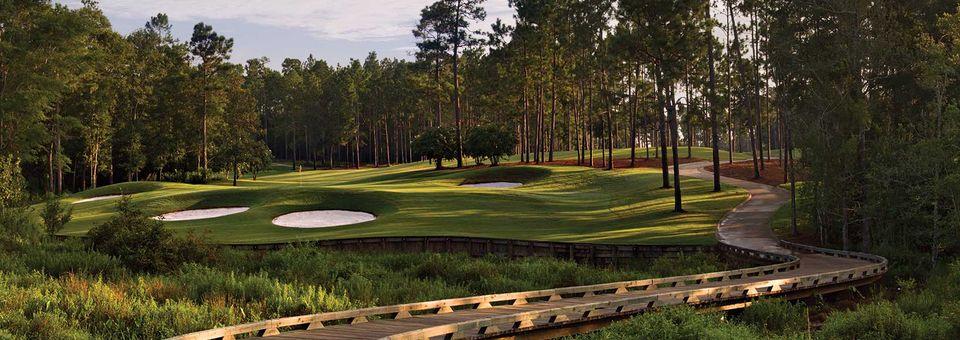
353	20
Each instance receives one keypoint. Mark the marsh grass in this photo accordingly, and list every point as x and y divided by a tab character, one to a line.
64	290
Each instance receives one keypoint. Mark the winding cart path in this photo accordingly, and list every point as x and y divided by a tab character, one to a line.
797	271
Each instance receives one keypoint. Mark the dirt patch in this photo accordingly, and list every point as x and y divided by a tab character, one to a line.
771	175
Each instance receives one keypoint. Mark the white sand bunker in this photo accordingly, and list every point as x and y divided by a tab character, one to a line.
98	198
493	185
322	218
199	214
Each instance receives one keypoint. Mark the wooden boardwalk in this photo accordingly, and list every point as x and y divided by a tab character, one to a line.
797	270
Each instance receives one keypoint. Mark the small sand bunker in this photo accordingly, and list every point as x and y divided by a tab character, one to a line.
322	218
98	198
199	214
493	185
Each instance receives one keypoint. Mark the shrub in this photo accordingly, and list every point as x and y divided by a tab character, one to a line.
54	215
489	141
16	226
437	144
775	317
58	262
883	320
12	183
686	264
680	322
193	177
142	243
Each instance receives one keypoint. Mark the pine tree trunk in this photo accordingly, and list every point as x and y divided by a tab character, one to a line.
553	106
633	115
663	131
674	136
456	102
712	98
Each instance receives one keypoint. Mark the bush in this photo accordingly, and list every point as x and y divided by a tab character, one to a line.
54	215
12	183
437	144
57	259
882	320
142	243
680	322
16	226
775	317
491	142
193	177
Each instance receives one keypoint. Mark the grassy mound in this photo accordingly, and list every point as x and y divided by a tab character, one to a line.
513	174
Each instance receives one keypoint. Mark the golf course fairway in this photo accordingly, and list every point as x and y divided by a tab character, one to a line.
555	203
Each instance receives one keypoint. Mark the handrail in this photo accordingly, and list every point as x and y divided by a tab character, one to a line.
877	266
783	263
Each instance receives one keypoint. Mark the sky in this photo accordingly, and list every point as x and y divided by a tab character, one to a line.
332	30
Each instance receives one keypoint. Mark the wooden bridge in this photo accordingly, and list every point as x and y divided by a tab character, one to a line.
793	271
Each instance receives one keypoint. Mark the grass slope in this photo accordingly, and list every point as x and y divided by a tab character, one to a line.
556	204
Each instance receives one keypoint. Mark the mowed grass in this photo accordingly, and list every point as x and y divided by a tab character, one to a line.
557	203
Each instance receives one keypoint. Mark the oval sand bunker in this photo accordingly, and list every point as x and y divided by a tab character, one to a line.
322	218
199	214
98	198
493	185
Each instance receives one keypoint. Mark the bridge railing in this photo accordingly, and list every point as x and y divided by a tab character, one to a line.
782	263
698	288
874	267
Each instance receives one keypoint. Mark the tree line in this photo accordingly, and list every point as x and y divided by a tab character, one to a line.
856	98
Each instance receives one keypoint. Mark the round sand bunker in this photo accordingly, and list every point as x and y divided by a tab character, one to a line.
199	214
493	185
322	218
98	198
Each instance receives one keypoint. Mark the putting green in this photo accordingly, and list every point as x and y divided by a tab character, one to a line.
556	203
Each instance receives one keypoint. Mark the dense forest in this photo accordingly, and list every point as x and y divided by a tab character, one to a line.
865	91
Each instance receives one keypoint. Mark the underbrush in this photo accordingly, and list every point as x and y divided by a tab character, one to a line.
926	310
194	177
67	290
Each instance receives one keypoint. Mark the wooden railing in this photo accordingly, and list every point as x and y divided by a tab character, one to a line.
479	246
876	266
782	263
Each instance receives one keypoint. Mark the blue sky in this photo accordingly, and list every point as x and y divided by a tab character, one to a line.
331	30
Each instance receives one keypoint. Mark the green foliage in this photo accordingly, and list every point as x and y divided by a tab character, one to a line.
489	141
437	144
16	225
12	183
883	320
775	317
54	215
674	323
65	290
193	177
142	243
